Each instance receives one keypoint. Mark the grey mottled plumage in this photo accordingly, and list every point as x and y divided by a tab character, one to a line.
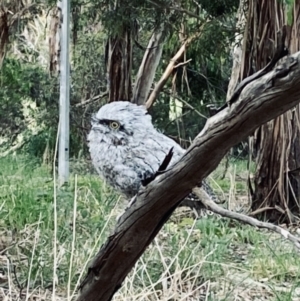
126	148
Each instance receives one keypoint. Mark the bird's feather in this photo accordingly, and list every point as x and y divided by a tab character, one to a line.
130	155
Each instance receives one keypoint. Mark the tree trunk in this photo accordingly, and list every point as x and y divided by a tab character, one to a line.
3	32
54	38
148	67
11	12
237	51
275	144
119	65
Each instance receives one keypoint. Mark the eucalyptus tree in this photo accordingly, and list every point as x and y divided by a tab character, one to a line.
163	53
275	145
174	57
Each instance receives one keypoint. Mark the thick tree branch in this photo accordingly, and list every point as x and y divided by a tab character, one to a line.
259	102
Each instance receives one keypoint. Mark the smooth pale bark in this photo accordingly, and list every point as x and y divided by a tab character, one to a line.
174	60
259	102
237	51
146	73
64	96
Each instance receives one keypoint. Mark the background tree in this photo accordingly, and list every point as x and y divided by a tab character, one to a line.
275	145
154	32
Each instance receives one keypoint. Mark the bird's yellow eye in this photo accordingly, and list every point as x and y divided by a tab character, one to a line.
114	125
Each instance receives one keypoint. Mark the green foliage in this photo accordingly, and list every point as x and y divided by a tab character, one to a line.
219	7
205	81
28	103
289	11
29	100
117	15
26	202
29	96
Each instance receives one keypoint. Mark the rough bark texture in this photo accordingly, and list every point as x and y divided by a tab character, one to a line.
276	150
119	65
259	102
10	13
54	40
4	27
276	142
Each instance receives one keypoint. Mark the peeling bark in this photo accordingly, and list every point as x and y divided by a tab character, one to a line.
259	102
274	146
4	27
275	143
54	41
119	65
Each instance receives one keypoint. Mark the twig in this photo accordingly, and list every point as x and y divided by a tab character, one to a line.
186	103
190	107
176	8
182	64
205	199
260	210
85	102
13	148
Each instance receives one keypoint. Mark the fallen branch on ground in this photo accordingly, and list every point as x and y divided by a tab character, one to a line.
205	199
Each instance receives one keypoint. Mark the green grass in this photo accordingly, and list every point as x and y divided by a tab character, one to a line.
209	258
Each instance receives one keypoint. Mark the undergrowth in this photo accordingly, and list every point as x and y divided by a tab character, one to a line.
191	259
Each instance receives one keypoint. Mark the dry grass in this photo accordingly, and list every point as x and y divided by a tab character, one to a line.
204	259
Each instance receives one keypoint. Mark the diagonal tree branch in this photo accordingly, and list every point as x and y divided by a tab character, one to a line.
259	102
174	60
